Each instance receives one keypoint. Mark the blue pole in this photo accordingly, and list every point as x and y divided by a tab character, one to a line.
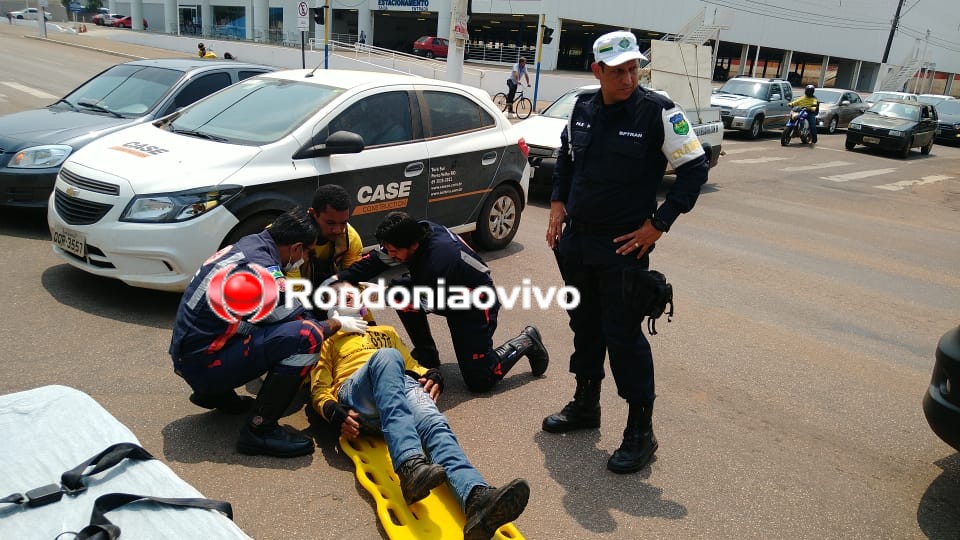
536	86
326	55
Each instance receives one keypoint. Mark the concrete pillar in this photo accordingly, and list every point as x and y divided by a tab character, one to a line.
823	71
365	22
551	52
949	86
112	5
261	20
136	15
206	18
855	79
785	66
171	19
744	55
444	9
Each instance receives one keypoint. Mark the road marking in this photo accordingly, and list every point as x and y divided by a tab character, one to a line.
32	91
730	151
826	165
903	184
857	175
758	160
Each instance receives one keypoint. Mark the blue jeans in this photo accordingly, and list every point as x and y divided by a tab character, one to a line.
812	122
389	399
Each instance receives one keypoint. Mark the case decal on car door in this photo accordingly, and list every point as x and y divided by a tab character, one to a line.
383	197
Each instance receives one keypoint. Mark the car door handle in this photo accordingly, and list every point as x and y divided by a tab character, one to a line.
489	158
413	169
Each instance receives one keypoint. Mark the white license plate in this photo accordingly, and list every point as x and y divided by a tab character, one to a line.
871	140
70	241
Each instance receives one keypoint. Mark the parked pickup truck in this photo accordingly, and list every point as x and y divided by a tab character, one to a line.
542	133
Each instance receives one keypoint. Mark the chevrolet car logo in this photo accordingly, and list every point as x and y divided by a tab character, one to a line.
71	192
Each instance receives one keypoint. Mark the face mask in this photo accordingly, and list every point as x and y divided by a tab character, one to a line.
294	264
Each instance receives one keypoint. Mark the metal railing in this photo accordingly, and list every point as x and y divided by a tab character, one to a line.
499	53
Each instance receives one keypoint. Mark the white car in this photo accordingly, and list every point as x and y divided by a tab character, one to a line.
149	204
30	14
880	96
542	134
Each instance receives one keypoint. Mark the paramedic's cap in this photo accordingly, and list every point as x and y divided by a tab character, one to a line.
616	48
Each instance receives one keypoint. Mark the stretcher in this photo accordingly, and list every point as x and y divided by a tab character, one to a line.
437	517
52	429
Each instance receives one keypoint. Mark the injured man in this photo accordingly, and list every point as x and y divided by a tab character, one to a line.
370	383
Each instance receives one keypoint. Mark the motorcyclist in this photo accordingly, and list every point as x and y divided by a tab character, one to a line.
809	102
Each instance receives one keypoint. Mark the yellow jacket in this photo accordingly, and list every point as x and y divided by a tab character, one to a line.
337	255
342	354
805	102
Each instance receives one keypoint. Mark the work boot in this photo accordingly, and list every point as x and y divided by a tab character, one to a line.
581	413
639	443
261	434
527	344
228	402
488	508
417	478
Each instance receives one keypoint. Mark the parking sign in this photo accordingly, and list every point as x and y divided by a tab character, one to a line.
303	23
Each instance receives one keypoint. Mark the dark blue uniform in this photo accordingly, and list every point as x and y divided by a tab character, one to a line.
610	165
215	356
442	254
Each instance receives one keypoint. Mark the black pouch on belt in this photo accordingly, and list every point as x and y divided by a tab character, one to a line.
648	292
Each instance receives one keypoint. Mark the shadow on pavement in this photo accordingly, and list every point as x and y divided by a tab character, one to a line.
589	497
939	512
28	223
110	298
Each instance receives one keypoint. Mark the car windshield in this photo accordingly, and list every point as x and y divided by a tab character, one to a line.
562	107
896	110
125	90
828	96
879	96
948	107
932	100
254	112
745	88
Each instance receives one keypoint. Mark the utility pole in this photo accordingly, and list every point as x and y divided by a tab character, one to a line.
893	30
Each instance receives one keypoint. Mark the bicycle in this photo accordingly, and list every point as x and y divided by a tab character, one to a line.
522	106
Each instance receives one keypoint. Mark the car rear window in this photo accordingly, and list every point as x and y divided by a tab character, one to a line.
255	111
452	113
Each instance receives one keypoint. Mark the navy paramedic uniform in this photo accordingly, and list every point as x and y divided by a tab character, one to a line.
443	254
215	356
610	165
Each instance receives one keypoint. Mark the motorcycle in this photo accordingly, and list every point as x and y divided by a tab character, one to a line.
797	126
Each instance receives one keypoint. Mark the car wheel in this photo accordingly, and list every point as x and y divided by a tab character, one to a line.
849	145
20	16
429	54
925	150
252	225
832	126
499	218
756	128
905	153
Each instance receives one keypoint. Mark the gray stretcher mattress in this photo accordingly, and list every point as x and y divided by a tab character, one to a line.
49	430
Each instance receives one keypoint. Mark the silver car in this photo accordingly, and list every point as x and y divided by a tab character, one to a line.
837	108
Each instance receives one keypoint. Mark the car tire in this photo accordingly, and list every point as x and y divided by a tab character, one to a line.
252	225
849	145
499	218
832	126
429	54
925	150
756	128
905	153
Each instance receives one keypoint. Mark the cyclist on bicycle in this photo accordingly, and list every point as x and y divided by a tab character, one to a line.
520	68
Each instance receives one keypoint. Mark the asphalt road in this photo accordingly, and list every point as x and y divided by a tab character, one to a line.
811	288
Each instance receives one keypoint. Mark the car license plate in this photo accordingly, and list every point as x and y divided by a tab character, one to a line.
70	241
871	140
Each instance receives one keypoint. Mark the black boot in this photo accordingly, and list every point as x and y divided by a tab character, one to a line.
417	478
639	443
261	434
488	508
527	344
418	328
581	413
228	402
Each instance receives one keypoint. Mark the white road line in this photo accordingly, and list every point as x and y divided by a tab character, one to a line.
758	160
826	165
857	175
739	150
903	184
26	89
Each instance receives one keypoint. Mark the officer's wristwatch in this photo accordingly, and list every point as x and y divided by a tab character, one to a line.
659	224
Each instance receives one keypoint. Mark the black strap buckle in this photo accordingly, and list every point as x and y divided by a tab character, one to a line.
44	495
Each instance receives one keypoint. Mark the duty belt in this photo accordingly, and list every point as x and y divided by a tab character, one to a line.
597	228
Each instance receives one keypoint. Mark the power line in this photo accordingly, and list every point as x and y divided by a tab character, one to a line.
834	22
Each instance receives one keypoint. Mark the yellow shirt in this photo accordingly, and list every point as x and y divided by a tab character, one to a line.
337	255
342	354
805	102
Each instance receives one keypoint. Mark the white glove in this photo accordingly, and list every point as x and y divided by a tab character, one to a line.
350	325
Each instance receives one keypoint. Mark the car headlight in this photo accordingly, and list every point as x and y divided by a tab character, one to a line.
40	157
740	112
855	125
179	206
895	133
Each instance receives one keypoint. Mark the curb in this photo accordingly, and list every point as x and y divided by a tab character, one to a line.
105	51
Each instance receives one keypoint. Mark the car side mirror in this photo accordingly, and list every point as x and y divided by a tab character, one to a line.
845	102
339	142
776	97
715	91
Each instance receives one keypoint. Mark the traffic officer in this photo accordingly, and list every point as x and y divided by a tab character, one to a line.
604	221
432	253
216	351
